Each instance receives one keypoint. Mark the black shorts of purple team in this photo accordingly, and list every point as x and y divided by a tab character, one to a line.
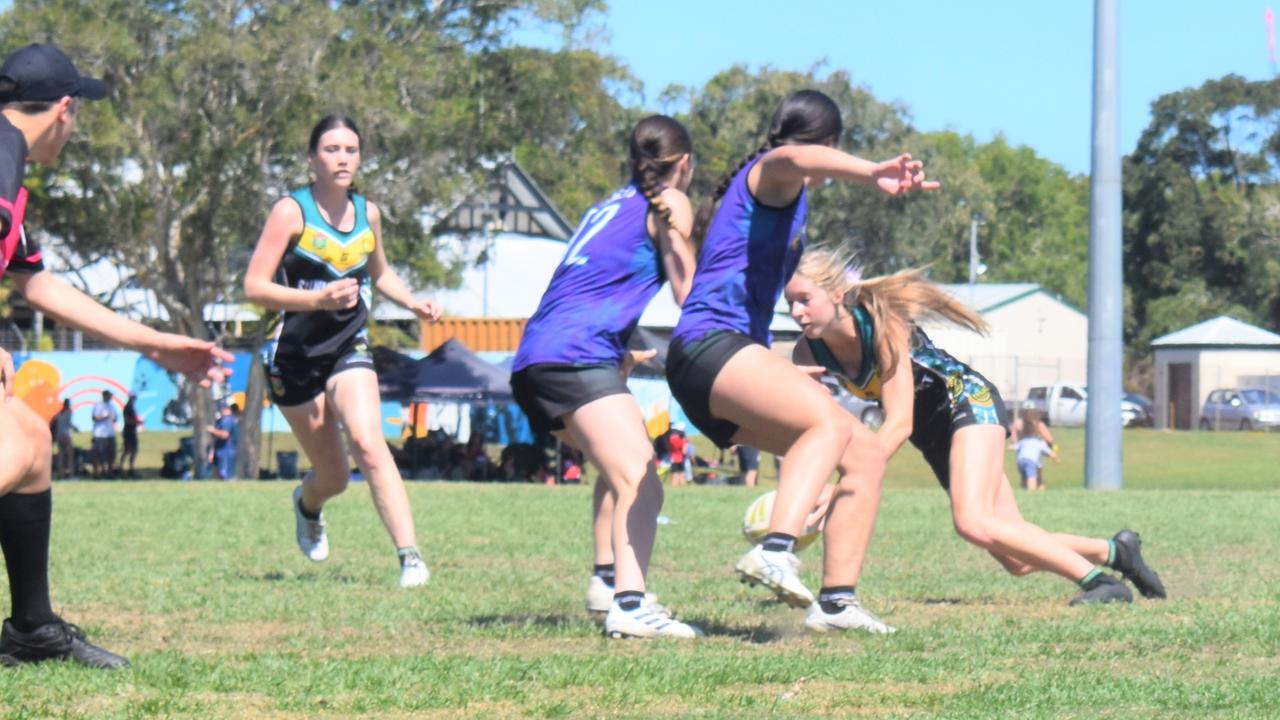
546	392
294	379
939	411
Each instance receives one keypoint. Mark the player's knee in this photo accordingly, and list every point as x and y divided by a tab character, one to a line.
370	449
972	529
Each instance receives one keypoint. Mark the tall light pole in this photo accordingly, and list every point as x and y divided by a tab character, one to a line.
1103	466
976	267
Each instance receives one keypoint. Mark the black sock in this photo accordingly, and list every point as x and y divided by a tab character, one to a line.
828	596
779	542
628	599
605	573
24	537
307	513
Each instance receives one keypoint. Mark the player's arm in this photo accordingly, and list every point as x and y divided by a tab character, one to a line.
283	224
898	392
673	242
388	282
194	358
781	172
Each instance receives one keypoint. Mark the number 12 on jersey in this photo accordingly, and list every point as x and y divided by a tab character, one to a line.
592	223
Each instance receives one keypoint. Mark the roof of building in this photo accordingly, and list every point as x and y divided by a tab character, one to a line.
1222	331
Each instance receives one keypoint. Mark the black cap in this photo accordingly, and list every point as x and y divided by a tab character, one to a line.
43	73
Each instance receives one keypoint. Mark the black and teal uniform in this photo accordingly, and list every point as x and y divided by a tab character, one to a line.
949	394
312	346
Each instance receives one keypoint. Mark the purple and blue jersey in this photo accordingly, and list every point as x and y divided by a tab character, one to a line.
750	252
610	272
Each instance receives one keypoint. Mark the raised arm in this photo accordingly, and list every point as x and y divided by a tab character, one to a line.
388	282
778	177
673	243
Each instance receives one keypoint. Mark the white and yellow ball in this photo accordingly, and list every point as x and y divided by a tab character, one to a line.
755	523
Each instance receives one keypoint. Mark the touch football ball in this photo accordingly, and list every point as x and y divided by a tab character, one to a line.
755	524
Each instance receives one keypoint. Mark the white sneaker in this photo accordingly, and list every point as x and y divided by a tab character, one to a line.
413	571
600	596
778	571
852	616
646	621
312	540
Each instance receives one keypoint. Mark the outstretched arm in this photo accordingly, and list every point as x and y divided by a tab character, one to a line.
197	359
388	282
781	172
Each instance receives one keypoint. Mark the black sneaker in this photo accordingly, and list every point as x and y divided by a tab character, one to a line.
1130	564
58	640
1103	589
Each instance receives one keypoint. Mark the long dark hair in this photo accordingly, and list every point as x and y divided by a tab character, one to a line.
327	123
805	117
657	143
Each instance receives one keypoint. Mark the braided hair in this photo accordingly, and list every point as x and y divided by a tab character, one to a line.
805	117
657	143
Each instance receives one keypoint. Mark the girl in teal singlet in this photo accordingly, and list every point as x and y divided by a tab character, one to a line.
864	332
317	261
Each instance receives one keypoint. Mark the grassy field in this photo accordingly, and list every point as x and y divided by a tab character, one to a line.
201	585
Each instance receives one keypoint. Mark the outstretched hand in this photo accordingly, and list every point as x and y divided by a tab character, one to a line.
428	310
199	360
902	175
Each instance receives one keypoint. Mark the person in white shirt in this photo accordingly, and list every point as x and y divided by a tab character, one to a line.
104	436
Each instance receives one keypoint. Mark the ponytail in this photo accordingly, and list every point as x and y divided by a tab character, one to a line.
657	143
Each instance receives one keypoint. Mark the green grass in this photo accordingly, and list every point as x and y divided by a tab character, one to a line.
201	585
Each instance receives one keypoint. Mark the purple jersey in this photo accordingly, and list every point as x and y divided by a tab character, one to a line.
610	272
749	254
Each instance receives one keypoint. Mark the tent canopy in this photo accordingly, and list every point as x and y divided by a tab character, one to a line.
450	372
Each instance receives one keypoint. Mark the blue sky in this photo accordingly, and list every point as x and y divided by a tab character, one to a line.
1021	68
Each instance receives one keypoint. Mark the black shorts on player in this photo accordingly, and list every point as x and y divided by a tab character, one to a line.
547	392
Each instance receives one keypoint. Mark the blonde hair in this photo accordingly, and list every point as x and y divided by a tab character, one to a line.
905	296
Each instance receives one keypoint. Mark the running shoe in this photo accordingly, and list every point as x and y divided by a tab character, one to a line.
1134	569
57	640
1103	589
413	571
852	616
778	571
312	540
646	621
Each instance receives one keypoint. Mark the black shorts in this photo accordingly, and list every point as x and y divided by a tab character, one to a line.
940	412
104	449
547	392
298	380
130	438
692	370
748	458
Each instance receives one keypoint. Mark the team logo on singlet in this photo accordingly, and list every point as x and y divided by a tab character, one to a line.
339	256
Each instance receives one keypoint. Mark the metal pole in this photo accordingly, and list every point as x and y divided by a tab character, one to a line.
975	220
1103	442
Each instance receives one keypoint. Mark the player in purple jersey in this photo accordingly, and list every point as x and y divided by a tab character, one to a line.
40	91
569	375
719	352
317	261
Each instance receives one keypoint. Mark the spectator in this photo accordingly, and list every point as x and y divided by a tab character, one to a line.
677	453
226	432
748	464
61	428
104	436
130	434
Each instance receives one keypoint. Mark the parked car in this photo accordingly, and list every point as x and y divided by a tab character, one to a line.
1137	411
1067	405
1241	409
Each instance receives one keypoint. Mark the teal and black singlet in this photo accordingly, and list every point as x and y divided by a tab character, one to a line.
949	395
313	345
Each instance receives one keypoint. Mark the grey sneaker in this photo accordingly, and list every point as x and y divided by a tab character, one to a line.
778	571
646	621
852	616
312	540
1134	569
1103	589
413	571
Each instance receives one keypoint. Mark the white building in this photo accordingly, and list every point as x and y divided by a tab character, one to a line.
1218	353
